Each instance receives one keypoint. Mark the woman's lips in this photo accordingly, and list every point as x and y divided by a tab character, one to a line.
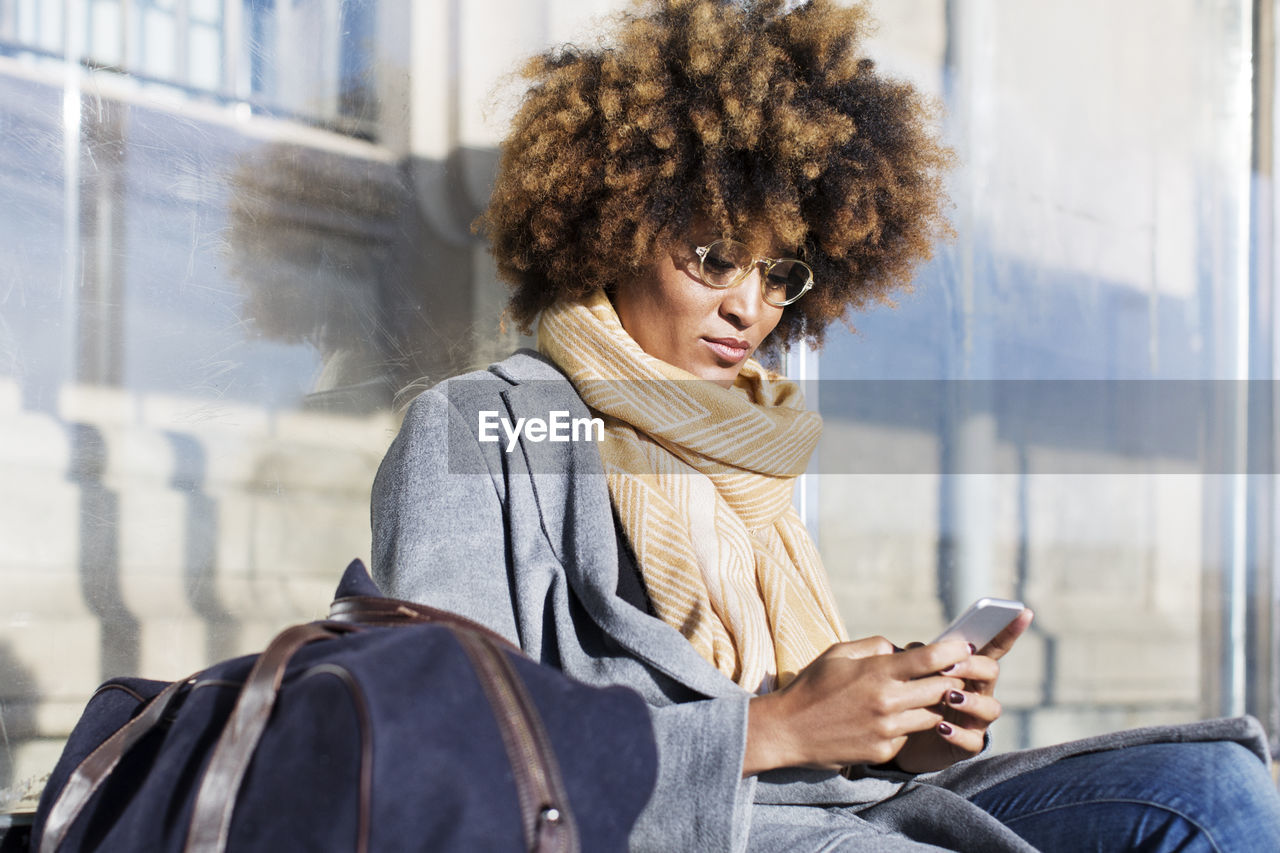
731	350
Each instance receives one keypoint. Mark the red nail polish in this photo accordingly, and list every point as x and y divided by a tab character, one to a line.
973	650
944	728
948	669
955	697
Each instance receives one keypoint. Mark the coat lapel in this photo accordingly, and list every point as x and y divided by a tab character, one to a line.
577	518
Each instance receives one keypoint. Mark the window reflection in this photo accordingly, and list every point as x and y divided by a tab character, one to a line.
214	282
311	60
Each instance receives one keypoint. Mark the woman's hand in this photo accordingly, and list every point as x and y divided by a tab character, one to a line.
966	713
855	704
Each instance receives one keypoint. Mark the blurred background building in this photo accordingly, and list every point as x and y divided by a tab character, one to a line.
235	235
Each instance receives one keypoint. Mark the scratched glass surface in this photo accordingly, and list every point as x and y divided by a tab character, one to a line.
233	232
236	231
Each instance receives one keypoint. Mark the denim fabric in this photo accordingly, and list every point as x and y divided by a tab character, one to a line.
1159	797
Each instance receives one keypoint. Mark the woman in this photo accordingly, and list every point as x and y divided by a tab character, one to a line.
727	177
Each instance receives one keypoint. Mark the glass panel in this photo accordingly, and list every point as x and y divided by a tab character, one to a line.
1102	207
225	258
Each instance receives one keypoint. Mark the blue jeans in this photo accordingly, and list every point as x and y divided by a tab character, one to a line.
1160	797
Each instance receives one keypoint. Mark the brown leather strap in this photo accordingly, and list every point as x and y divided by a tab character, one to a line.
216	799
94	769
373	610
364	807
548	824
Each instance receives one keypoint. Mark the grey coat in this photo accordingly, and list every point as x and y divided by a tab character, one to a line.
526	542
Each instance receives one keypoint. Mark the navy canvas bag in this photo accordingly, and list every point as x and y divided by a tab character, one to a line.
390	726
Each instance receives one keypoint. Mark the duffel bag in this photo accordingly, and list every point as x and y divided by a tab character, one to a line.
389	726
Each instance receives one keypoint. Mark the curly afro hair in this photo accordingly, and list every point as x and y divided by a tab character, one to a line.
741	115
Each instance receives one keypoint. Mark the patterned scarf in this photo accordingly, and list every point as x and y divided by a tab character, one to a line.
701	477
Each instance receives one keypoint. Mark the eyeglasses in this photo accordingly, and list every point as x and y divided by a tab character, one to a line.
726	263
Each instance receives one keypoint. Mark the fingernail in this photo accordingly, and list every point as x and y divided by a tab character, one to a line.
973	650
948	669
944	728
955	697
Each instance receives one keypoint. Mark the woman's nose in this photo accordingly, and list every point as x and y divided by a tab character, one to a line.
744	303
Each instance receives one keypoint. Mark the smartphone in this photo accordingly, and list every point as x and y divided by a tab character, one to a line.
985	618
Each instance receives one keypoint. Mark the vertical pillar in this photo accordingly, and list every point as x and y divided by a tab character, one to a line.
1262	681
965	550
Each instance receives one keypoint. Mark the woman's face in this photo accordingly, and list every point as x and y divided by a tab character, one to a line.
674	317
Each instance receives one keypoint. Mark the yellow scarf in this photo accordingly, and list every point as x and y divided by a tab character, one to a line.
701	477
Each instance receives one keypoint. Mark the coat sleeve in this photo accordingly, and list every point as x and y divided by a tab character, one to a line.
437	515
700	802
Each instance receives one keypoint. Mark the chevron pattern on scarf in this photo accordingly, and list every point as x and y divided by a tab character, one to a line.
702	477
